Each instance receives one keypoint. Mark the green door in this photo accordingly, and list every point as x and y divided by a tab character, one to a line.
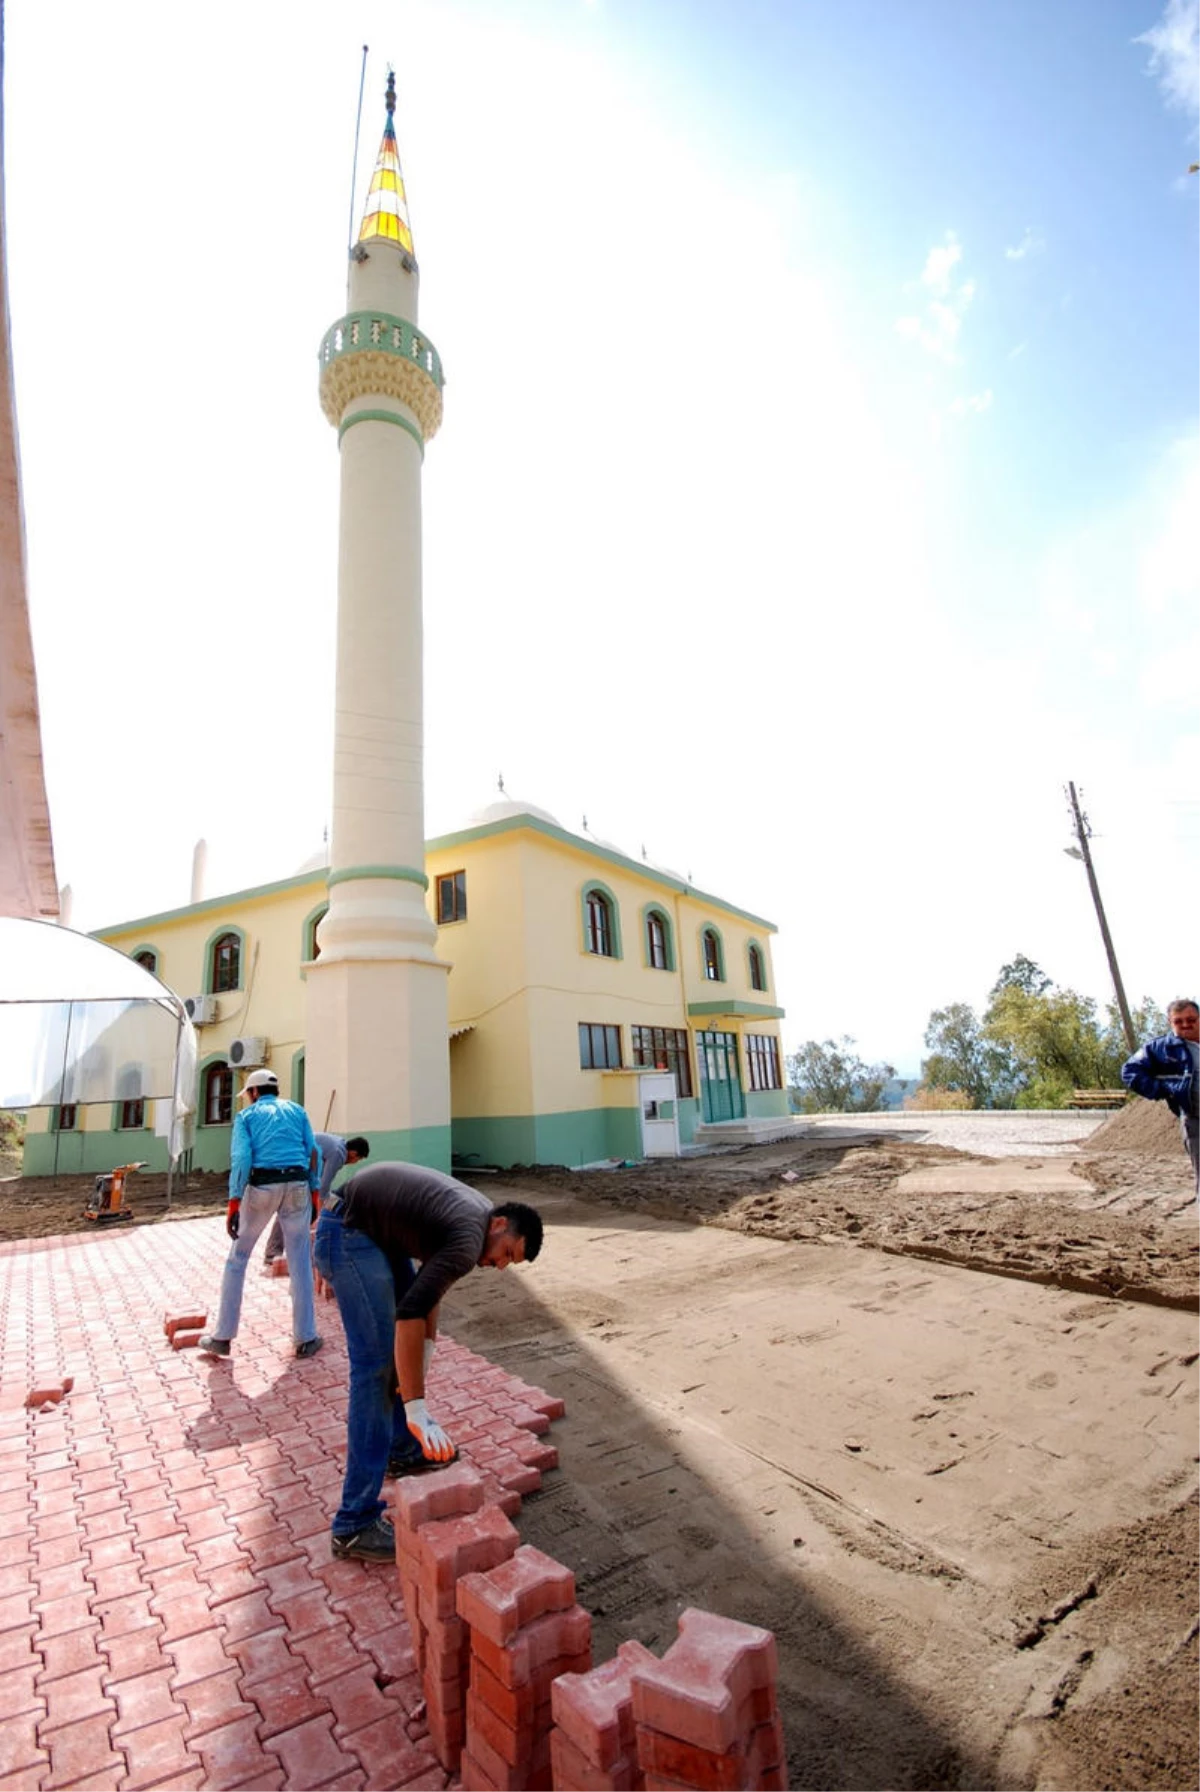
720	1084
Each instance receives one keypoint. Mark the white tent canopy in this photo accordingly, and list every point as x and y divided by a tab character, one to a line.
80	1022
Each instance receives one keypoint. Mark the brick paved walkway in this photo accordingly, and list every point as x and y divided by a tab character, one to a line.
169	1612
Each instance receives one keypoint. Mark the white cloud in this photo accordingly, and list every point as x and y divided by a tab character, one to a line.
938	325
1174	45
1030	244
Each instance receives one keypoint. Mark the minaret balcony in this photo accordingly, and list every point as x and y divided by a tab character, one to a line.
373	354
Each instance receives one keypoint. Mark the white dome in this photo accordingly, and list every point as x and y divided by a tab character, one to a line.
506	808
316	861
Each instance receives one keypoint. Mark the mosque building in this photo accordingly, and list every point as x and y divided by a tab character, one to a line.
511	993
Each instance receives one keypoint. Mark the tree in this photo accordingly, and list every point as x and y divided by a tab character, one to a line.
962	1057
1060	1043
1021	974
831	1078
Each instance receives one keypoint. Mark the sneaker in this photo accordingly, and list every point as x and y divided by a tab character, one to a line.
213	1346
377	1543
310	1347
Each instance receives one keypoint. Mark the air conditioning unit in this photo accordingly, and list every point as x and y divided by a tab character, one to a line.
201	1010
248	1054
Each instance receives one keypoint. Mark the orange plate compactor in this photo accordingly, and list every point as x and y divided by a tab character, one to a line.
107	1199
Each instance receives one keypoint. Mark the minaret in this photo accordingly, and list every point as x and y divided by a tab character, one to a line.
376	1052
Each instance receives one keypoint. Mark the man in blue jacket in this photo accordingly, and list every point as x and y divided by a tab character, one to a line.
274	1169
1168	1069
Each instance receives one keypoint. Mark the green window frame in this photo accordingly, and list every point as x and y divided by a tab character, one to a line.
216	1093
658	938
756	964
147	957
66	1117
601	919
224	961
712	955
309	948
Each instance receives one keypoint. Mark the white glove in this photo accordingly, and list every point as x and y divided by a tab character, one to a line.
435	1445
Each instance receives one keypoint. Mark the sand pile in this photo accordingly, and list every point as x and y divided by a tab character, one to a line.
1147	1126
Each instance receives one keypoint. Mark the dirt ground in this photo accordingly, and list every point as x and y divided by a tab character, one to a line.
964	1502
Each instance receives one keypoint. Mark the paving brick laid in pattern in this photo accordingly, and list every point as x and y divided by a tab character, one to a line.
170	1615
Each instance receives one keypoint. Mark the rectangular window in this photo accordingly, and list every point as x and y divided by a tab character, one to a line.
67	1118
762	1056
452	897
664	1048
133	1114
599	1047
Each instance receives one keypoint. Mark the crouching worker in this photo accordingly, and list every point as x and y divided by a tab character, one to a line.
367	1236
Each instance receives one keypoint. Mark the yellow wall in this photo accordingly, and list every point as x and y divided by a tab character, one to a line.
521	979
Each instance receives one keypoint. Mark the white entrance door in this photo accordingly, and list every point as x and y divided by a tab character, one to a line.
660	1124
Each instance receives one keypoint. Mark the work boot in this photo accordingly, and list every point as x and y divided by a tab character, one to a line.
377	1543
213	1346
310	1347
407	1462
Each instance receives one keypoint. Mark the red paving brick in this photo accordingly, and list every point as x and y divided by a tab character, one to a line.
170	1616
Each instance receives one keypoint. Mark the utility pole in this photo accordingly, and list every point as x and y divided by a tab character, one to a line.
1082	834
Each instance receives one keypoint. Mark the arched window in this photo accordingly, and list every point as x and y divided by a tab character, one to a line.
148	959
225	963
311	947
217	1095
131	1105
758	969
656	941
598	924
710	947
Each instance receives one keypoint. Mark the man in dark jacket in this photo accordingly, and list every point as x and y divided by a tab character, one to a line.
367	1236
1168	1069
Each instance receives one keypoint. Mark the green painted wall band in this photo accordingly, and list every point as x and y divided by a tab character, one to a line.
404	873
385	417
756	1010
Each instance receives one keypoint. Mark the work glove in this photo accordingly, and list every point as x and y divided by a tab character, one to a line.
435	1445
232	1213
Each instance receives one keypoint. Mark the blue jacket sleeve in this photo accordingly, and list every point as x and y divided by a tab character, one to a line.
1149	1074
241	1158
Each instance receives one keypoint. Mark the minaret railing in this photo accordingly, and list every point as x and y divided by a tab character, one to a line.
379	331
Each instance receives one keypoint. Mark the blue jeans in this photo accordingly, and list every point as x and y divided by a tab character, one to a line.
1190	1129
366	1293
293	1203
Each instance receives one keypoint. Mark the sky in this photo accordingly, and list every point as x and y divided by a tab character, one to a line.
819	483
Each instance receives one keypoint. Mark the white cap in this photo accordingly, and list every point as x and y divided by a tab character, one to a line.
260	1079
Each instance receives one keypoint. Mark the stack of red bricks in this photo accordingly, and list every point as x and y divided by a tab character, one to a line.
444	1530
512	1700
707	1714
525	1631
593	1745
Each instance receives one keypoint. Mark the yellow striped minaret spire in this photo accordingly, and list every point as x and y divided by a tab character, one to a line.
387	207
